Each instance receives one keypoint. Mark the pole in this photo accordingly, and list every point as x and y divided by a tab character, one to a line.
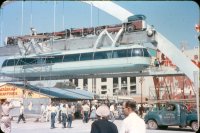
63	15
22	19
1	13
91	15
141	82
54	16
196	86
31	23
141	109
141	94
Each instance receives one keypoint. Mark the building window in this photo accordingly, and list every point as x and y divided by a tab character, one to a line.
124	81
76	82
133	90
103	92
103	87
103	79
115	82
85	82
133	80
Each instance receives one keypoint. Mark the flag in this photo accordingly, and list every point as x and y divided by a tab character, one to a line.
197	27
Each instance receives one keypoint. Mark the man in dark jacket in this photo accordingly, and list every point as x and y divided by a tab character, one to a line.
102	125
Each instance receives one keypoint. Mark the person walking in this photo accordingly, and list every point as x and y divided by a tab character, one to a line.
70	112
42	112
48	112
112	110
102	125
132	123
93	113
21	113
85	112
6	119
53	110
141	110
64	116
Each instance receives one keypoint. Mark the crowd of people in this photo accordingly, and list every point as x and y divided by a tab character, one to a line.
102	115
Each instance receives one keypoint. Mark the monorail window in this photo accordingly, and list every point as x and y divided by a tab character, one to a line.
146	53
4	63
129	52
103	55
86	56
137	52
49	59
72	57
27	61
20	62
11	62
40	60
122	53
55	59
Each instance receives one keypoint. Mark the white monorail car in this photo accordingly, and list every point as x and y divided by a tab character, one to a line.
125	58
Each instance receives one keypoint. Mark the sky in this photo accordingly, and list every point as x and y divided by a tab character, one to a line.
174	19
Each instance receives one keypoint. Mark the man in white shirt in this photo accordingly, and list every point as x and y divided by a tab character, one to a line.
48	112
132	123
5	117
112	110
53	110
85	112
42	112
21	113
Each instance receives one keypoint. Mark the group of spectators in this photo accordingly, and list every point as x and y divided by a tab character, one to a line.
102	122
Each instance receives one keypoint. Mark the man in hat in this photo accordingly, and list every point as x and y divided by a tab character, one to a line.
6	120
132	123
102	125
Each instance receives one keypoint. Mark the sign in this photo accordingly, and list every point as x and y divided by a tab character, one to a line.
12	91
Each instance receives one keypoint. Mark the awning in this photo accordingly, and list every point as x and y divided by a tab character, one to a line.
59	93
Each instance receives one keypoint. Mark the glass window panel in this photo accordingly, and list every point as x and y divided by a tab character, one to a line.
49	59
73	57
57	59
40	61
146	53
137	52
86	56
11	62
4	63
129	52
120	53
103	55
28	61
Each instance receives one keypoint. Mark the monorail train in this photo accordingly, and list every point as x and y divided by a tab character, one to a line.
125	58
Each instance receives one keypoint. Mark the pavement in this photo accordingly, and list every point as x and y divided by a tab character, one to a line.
77	127
44	127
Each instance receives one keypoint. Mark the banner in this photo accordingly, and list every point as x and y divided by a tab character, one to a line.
11	91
